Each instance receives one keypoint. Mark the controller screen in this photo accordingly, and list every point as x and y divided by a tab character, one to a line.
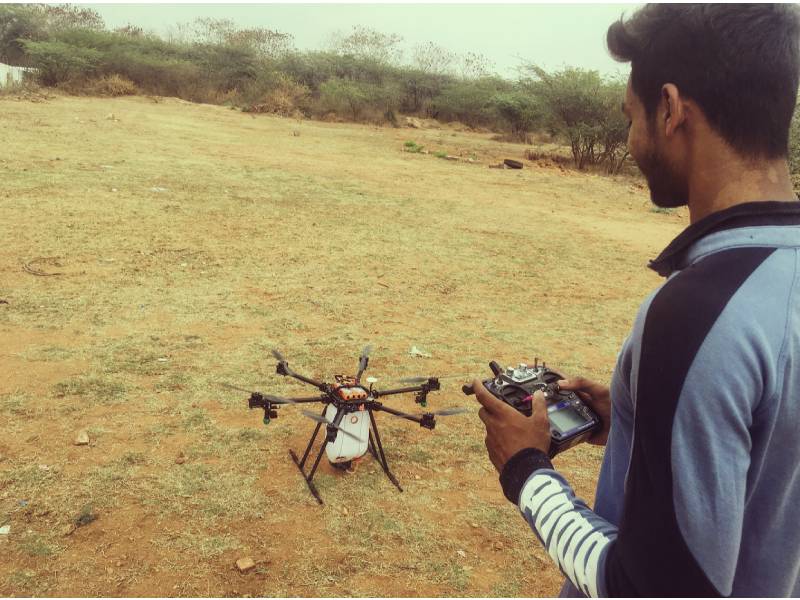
566	420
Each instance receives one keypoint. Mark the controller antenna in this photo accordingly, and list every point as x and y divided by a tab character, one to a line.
535	363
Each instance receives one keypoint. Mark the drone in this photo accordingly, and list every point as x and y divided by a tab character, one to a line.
348	414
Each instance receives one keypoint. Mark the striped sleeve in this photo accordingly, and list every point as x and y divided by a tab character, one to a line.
574	536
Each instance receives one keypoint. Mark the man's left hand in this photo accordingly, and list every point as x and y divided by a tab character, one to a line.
507	430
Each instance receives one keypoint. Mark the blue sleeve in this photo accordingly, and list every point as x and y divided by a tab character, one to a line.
696	390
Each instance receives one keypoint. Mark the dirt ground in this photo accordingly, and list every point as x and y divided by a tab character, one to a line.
154	248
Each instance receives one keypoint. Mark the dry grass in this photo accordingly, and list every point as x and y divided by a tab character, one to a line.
191	239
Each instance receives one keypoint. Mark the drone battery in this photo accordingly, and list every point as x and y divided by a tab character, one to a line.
352	394
344	448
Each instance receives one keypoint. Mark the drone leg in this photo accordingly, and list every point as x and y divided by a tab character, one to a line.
309	477
377	445
302	463
372	447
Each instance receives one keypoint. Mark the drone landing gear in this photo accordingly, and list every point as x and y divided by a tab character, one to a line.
375	448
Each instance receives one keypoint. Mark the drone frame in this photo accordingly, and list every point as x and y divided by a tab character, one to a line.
343	407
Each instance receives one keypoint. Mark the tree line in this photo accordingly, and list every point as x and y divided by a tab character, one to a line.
361	76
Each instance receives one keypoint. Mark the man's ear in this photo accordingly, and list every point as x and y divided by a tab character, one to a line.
676	110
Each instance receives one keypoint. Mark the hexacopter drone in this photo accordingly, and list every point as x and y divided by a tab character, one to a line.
348	414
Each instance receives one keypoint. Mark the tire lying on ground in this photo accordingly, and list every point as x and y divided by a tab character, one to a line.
512	164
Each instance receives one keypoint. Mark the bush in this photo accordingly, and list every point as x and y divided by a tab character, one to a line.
522	111
468	101
58	62
584	109
112	85
276	93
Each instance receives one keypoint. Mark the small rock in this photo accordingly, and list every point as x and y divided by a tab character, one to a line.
417	477
461	553
417	352
82	439
5	529
245	564
180	460
474	525
44	468
114	189
498	545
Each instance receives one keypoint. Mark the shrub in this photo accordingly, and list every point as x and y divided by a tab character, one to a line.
58	62
112	85
584	109
521	110
468	101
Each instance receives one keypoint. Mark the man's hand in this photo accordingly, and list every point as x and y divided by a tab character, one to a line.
507	430
598	397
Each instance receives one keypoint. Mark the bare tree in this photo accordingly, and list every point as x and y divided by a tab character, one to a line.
364	42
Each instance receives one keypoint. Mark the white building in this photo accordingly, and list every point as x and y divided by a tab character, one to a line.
10	75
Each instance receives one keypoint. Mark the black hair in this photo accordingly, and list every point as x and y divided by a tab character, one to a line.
738	62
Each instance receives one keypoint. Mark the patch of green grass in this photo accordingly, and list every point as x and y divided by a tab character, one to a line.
449	573
205	492
27	582
440	154
661	210
197	419
49	354
17	403
85	516
508	588
198	544
412	146
34	544
94	388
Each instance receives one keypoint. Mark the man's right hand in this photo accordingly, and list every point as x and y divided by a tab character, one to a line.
598	397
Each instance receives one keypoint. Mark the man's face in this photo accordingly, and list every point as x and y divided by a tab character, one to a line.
647	146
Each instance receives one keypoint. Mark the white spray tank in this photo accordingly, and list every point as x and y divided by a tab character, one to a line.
345	448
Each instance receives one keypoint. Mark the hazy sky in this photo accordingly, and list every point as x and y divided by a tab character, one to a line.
551	35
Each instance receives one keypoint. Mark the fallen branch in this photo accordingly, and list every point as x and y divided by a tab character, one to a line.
52	260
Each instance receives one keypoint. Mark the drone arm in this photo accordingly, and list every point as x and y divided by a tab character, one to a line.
426	420
407	390
306	399
283	369
397	413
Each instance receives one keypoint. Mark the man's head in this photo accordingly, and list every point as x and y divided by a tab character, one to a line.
727	72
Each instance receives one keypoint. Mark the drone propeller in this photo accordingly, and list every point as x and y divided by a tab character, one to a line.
323	420
413	380
363	360
416	380
270	398
230	386
278	399
445	412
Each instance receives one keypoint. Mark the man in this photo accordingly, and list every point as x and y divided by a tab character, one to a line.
700	484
